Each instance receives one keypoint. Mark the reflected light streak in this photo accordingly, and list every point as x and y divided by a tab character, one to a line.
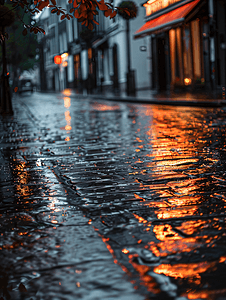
176	213
176	246
104	107
189	270
138	197
67	115
146	279
163	232
140	219
183	201
192	226
205	294
53	202
23	177
67	102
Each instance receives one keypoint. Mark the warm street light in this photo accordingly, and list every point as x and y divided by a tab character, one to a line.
64	55
57	59
64	64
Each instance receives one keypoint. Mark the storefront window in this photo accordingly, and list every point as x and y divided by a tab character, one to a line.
196	50
172	42
176	56
186	60
180	77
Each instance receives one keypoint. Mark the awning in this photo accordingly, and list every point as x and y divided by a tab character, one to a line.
166	21
99	42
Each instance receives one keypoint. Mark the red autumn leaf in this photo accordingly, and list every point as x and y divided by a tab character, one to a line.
102	5
75	4
82	7
76	14
93	7
94	21
24	32
90	16
90	26
128	13
108	12
71	10
41	5
62	17
58	12
54	10
113	14
85	22
70	1
42	30
83	15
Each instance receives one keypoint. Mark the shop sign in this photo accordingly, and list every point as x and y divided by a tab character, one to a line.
153	6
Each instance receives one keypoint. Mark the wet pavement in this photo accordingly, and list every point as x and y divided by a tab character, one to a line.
112	200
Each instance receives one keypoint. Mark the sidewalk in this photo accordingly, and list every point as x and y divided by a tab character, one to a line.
151	97
48	247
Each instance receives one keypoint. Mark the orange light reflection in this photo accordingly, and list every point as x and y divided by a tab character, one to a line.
104	107
170	246
176	213
23	176
67	92
67	102
165	231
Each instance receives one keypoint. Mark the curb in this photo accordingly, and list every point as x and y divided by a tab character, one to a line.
161	101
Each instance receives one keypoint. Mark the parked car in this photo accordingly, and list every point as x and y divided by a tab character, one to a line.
25	85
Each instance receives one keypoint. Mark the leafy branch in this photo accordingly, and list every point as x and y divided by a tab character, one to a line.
83	10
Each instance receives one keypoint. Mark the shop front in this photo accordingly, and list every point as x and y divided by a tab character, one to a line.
179	43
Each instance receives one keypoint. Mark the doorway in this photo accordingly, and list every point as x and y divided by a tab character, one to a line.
161	64
77	71
115	68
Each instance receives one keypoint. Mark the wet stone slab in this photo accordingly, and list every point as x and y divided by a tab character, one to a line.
106	189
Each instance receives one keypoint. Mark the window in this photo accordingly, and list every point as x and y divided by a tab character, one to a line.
196	50
187	55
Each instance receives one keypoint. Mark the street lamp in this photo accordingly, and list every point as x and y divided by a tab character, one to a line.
128	10
6	19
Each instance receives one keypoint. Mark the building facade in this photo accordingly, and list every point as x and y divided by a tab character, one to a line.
92	60
187	40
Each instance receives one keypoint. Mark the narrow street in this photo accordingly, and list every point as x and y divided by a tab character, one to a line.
112	200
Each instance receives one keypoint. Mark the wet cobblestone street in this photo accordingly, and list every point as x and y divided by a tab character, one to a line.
112	200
